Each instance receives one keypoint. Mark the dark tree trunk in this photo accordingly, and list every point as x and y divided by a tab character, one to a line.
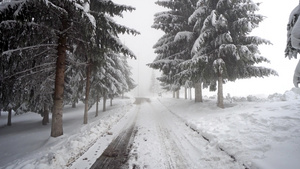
185	92
9	117
111	99
198	92
73	104
57	123
45	120
97	106
104	102
190	93
220	92
87	93
177	94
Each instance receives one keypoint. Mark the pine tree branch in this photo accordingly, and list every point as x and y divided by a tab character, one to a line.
27	70
8	52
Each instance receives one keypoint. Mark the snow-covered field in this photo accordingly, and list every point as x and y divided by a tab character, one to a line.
260	133
250	132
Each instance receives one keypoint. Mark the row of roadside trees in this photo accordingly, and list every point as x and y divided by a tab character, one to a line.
206	43
57	52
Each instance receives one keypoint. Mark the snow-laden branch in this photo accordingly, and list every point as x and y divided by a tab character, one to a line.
187	35
11	4
86	10
29	70
48	69
8	52
50	4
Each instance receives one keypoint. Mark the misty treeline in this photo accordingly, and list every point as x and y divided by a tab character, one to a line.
55	53
207	43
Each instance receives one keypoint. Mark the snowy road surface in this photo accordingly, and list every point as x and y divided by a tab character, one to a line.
251	132
164	141
161	140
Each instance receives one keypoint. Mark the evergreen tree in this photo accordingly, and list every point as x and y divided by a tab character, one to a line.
174	47
54	29
27	59
104	40
293	39
154	86
293	27
224	45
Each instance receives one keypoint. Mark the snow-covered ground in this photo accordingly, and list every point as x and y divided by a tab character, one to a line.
27	144
250	132
260	133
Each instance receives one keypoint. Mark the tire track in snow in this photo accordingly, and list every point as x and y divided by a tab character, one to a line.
116	154
175	158
164	141
204	137
103	141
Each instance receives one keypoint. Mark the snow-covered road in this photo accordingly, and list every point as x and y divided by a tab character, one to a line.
161	140
164	141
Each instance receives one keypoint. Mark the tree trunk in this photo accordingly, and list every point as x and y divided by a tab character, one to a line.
198	92
177	94
57	123
220	92
87	93
111	99
173	94
104	102
190	93
45	120
9	117
73	104
185	93
97	106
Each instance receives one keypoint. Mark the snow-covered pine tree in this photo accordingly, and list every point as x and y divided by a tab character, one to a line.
154	85
164	62
126	71
293	41
104	40
123	74
173	47
224	43
293	38
27	63
57	18
67	21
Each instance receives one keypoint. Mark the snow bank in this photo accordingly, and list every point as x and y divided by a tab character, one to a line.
290	95
260	133
61	152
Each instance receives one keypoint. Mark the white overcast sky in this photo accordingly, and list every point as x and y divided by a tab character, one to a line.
272	28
